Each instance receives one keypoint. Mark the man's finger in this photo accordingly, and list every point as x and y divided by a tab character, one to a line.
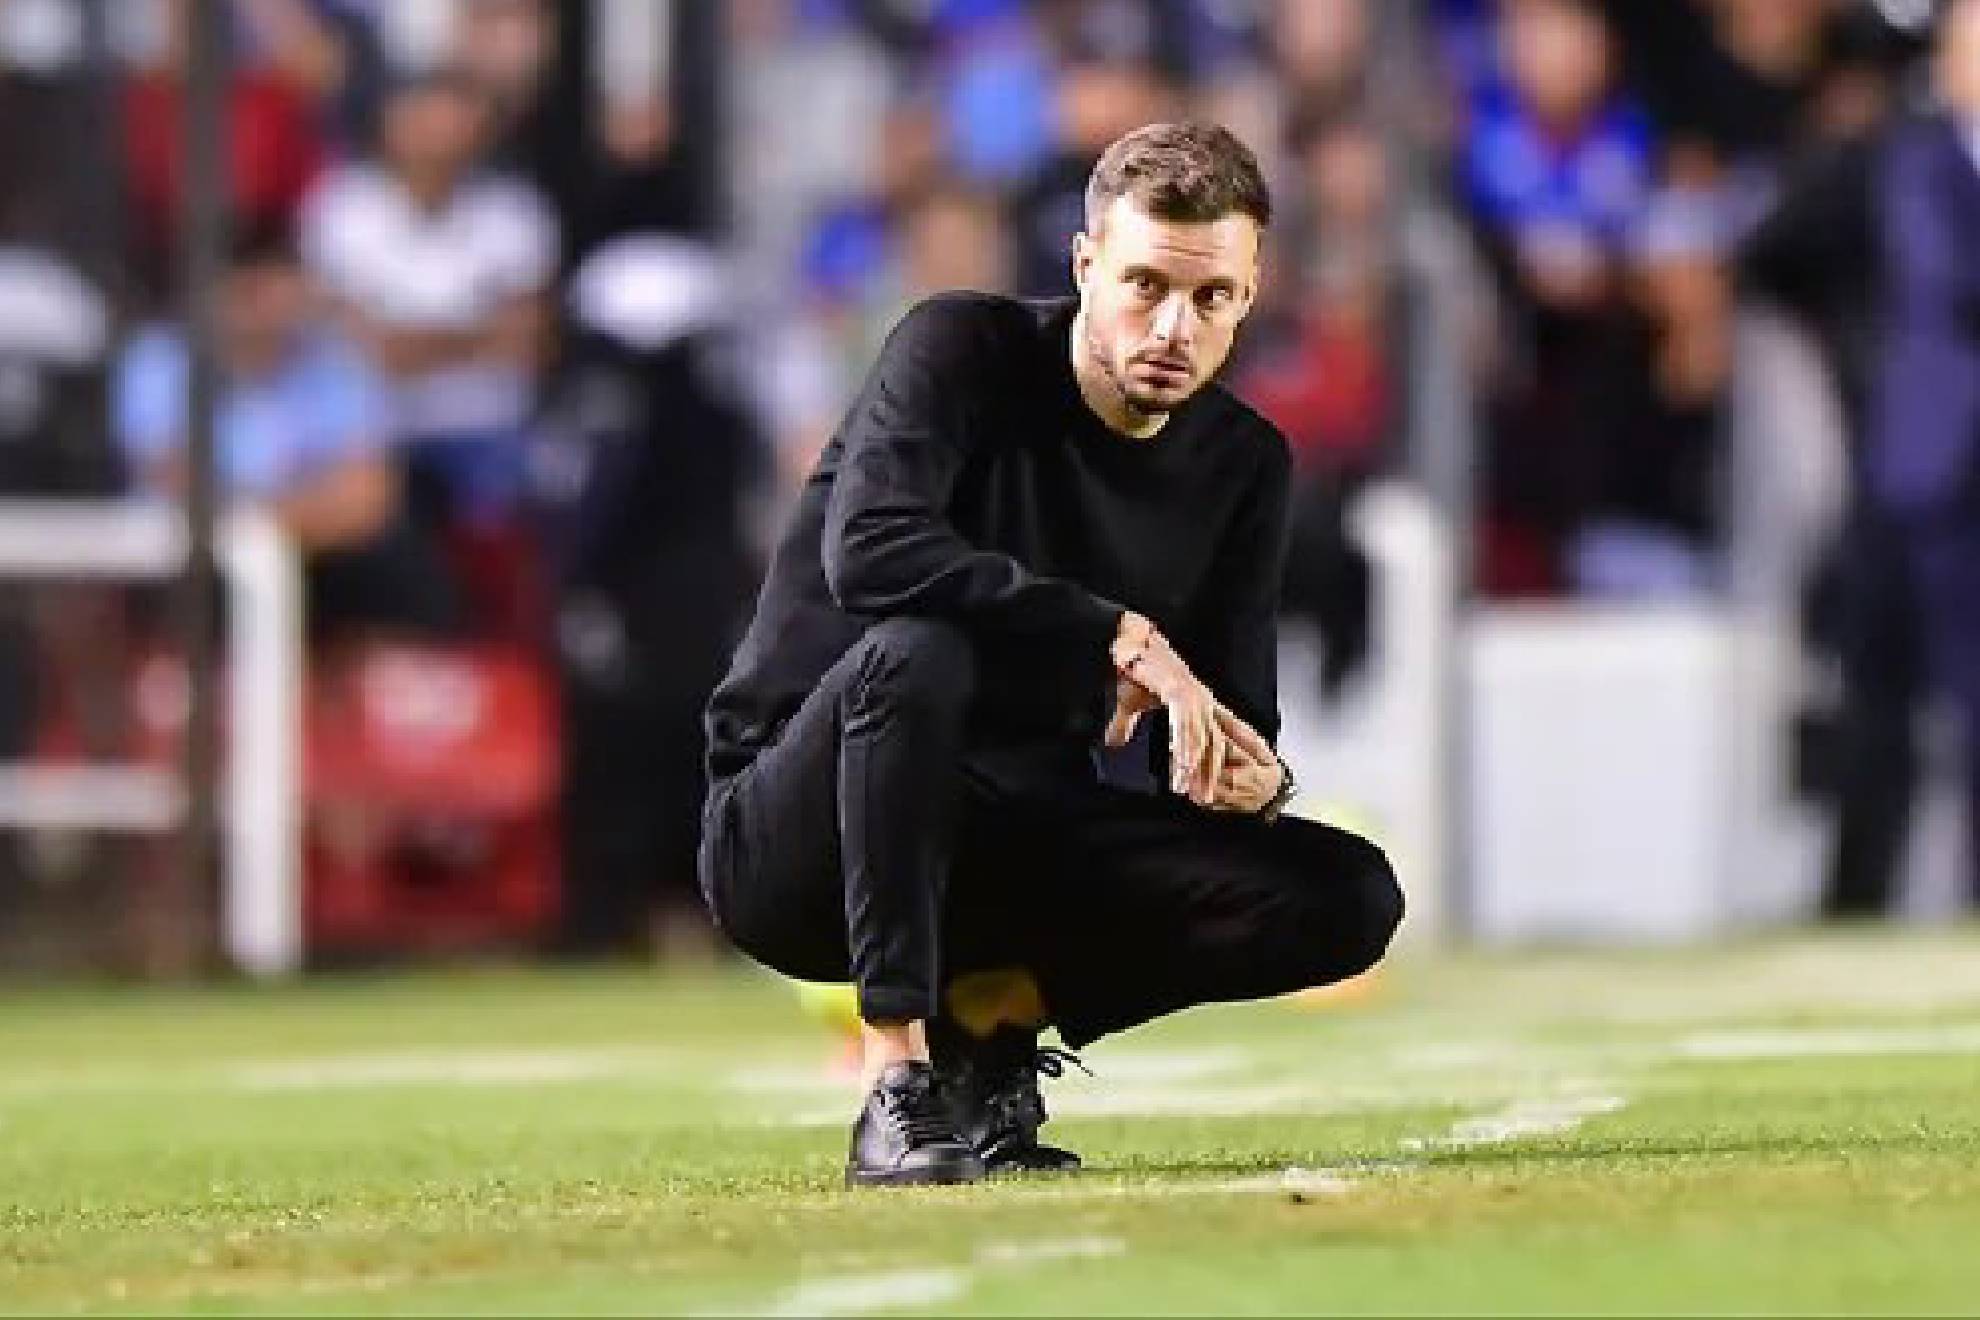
1214	758
1189	751
1248	739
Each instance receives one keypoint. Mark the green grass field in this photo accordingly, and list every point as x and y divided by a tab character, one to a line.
1782	1126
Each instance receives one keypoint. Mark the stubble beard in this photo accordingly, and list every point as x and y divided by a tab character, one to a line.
1143	406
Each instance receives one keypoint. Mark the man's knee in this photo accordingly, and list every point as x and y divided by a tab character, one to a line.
1376	904
1354	914
923	664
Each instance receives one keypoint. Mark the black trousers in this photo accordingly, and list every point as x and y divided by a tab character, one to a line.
880	839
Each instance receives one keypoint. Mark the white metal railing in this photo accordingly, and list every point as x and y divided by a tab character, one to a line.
261	794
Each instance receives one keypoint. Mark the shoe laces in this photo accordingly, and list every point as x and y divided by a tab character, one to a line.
1014	1104
1051	1061
918	1113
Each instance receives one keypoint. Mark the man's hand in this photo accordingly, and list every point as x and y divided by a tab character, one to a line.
1248	772
1253	773
1131	702
1151	672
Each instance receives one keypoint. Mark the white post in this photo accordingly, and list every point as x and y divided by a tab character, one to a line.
262	913
261	809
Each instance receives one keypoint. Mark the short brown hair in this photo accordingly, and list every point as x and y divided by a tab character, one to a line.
1193	173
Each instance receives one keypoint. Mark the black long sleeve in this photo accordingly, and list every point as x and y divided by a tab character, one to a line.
1233	645
970	482
889	546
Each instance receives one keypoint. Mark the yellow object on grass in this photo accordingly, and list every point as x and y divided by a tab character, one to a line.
834	1003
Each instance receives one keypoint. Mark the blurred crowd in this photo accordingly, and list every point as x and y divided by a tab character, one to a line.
534	313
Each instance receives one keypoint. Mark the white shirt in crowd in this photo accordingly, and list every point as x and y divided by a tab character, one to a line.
405	266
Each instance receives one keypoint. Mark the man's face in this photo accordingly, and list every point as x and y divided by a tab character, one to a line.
262	305
1558	57
433	130
1161	300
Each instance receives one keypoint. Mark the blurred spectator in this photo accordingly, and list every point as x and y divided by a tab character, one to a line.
1731	77
1322	50
648	453
1649	525
301	427
1557	161
291	71
787	169
441	272
1925	410
1096	102
1814	256
947	235
1556	166
1324	367
53	341
523	55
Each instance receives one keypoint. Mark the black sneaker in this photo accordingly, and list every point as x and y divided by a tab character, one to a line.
906	1134
992	1086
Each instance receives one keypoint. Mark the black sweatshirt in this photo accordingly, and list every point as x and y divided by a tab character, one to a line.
970	482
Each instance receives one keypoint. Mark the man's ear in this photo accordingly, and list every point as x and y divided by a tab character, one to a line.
1082	260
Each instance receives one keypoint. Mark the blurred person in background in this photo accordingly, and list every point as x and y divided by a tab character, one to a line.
54	336
441	272
1731	81
1649	526
786	170
1814	255
1322	53
302	427
1324	367
1924	433
292	91
1556	164
646	454
1096	100
864	268
926	775
544	114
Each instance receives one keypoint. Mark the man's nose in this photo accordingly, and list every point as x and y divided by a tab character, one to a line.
1172	322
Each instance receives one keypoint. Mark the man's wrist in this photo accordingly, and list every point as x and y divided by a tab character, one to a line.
1275	805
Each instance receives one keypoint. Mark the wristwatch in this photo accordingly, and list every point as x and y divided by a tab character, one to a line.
1276	804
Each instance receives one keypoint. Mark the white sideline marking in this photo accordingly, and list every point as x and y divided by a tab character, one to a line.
856	1294
1305	1182
1525	1118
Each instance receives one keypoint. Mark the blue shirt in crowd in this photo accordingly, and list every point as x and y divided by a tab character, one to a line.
321	407
1520	180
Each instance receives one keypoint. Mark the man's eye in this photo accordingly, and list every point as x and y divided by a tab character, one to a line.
1218	298
1143	282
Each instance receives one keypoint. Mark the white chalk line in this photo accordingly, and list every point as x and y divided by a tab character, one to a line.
858	1294
881	1290
1208	1082
855	1294
1525	1118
